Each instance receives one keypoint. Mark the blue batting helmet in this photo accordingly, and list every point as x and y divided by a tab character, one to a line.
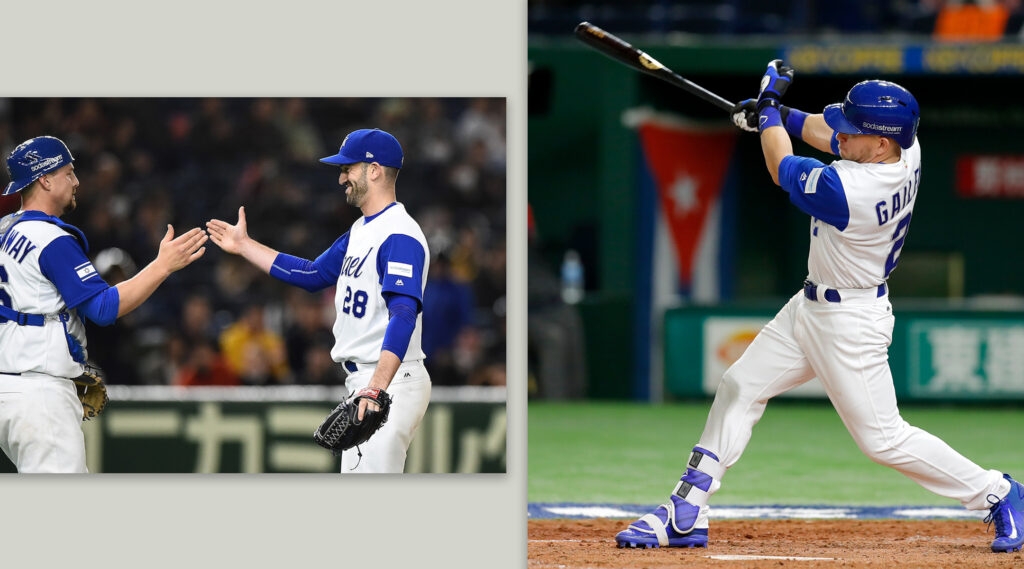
33	158
876	107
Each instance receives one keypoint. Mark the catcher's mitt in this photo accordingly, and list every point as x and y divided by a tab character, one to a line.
342	429
92	391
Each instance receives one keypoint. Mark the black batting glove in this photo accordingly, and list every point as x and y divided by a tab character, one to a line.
744	115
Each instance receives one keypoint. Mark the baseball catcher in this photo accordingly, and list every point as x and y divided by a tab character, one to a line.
347	427
49	288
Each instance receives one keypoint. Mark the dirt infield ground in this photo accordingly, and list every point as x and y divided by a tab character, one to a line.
906	544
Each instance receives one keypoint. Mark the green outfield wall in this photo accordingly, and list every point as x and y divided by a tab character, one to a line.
270	430
937	354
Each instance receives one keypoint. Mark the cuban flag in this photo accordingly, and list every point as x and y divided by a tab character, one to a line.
686	227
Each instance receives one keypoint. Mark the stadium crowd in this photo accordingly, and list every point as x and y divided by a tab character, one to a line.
942	20
146	162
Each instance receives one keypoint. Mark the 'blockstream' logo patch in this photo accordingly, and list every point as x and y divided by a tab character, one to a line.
400	269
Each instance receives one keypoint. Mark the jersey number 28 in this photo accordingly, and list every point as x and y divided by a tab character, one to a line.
355	302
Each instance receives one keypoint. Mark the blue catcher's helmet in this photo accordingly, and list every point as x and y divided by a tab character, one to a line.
876	107
33	158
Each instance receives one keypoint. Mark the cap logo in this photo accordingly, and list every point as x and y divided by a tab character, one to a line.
369	154
33	161
883	127
31	157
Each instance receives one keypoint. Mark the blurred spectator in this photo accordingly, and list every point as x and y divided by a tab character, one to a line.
447	316
302	143
197	322
254	352
483	123
959	20
205	366
318	367
305	337
113	348
492	374
489	284
980	20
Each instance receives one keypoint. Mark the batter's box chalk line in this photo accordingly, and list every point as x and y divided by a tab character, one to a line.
812	512
769	557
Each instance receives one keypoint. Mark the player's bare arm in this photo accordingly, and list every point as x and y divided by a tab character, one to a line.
175	254
382	376
235	239
776	145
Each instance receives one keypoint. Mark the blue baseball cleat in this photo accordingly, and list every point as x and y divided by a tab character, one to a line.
1008	516
661	528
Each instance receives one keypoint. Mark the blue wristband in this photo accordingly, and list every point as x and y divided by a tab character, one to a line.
768	117
793	120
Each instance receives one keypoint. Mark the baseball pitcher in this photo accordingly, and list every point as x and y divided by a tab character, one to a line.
839	325
379	268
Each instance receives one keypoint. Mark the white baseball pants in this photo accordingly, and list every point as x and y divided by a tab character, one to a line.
846	346
386	450
41	423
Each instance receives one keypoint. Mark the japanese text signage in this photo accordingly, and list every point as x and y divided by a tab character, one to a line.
971	359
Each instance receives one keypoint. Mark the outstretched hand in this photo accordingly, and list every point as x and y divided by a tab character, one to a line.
178	252
229	237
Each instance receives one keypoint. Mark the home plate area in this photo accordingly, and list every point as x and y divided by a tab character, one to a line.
582	536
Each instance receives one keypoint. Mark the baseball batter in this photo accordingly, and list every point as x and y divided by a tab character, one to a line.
838	327
47	285
380	270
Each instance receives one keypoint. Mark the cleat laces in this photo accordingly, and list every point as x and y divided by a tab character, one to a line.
996	515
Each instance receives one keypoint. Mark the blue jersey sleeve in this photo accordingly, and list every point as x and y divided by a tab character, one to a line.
102	308
402	312
64	263
815	189
311	275
400	264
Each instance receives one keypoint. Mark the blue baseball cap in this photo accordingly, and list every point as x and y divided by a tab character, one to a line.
368	145
33	158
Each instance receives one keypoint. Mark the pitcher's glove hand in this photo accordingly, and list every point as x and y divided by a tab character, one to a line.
342	429
92	391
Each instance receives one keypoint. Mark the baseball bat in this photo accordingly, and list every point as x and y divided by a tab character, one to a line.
621	51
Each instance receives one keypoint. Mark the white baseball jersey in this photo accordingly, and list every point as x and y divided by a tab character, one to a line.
362	315
860	217
36	256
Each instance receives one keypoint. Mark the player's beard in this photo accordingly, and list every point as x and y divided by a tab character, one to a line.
357	190
71	205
